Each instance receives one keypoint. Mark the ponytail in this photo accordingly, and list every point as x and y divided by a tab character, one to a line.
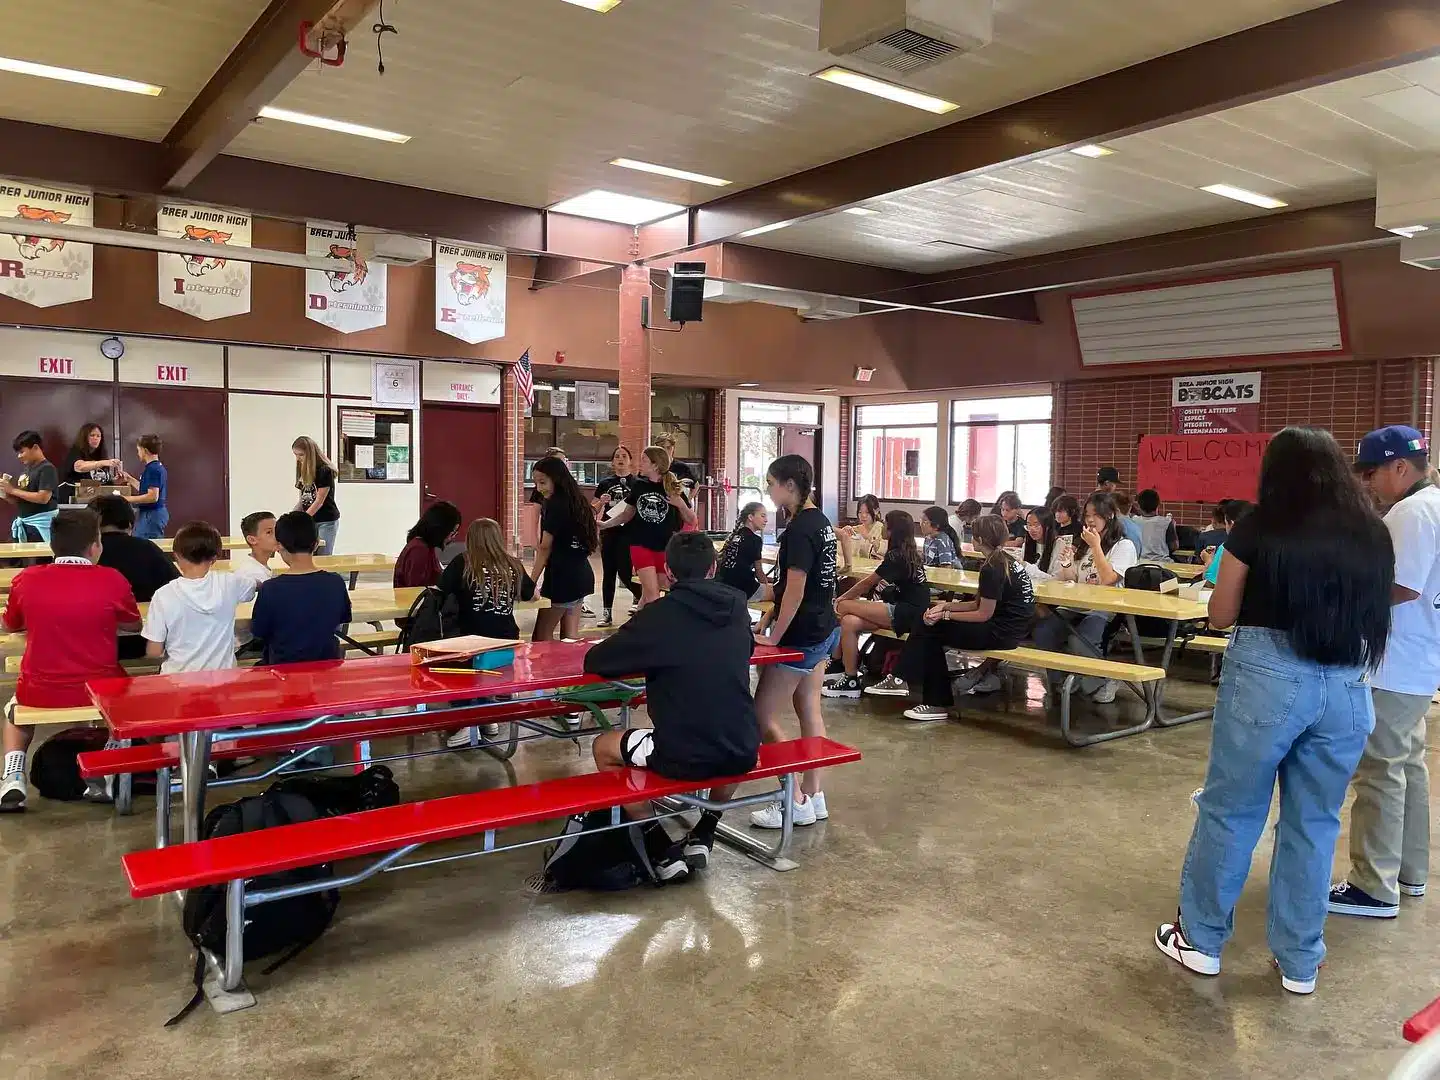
660	458
745	512
940	521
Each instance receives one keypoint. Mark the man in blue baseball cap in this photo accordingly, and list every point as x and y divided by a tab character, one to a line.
1390	822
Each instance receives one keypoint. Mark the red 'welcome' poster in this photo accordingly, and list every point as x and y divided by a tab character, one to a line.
1201	468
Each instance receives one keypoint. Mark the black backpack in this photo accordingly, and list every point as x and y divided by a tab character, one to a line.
281	925
54	770
432	616
606	861
331	795
1147	577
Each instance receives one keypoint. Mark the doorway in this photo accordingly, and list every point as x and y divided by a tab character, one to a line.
56	410
763	440
192	426
460	460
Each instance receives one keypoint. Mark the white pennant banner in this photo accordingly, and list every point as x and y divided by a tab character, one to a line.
35	269
350	297
205	286
469	291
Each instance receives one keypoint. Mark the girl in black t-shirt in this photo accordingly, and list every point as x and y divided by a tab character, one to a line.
610	495
655	510
998	619
904	596
486	582
740	564
568	538
315	480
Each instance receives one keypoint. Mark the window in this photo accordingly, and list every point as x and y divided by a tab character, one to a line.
896	450
1000	444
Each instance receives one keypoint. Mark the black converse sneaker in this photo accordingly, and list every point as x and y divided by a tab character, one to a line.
846	686
1170	940
1347	899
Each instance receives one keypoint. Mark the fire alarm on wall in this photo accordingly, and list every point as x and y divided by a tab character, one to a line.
559	356
864	374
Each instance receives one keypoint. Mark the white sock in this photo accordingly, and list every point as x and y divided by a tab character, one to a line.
14	764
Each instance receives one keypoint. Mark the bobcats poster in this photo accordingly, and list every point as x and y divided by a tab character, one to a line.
469	291
205	286
38	270
352	296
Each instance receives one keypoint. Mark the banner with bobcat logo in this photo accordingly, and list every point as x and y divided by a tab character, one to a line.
469	291
352	296
38	270
205	286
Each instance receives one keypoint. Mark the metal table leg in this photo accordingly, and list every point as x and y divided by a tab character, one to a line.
194	774
771	855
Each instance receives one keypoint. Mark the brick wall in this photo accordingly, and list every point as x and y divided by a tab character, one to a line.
847	427
514	421
712	511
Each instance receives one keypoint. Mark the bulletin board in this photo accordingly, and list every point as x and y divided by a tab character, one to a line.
376	445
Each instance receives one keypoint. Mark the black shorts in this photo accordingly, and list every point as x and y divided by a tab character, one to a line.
637	749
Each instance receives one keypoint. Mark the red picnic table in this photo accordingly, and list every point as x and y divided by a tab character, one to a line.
252	703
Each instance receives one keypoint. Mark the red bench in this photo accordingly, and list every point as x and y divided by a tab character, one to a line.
398	830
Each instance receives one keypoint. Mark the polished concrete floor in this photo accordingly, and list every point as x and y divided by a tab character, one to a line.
980	904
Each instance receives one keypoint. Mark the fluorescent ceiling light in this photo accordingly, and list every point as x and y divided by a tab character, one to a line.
612	206
1092	150
827	390
748	385
905	96
860	211
1265	202
767	228
601	6
1408	231
665	170
105	82
269	112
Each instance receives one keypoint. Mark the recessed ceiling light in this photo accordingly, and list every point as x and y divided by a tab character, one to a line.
1092	150
767	228
665	170
904	95
1265	202
1408	231
105	82
601	6
860	211
612	206
827	390
748	385
269	112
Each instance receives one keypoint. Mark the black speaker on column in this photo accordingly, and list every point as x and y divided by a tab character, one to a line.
686	298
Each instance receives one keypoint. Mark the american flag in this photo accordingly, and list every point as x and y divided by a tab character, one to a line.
524	381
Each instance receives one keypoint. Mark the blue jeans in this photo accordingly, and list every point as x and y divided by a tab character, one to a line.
327	531
1277	716
1053	635
150	523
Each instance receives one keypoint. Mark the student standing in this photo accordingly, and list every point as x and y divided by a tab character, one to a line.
150	489
33	493
88	460
655	510
315	480
741	562
803	619
1390	818
191	621
686	475
1306	581
139	561
71	610
610	494
568	538
1107	479
298	614
942	543
419	561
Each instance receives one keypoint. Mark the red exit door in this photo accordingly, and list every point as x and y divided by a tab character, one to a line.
461	452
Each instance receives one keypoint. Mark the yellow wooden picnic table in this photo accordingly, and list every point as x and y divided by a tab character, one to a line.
42	551
341	564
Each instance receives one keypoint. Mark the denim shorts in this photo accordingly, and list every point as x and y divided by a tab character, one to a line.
813	654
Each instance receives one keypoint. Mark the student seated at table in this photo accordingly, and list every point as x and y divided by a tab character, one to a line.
866	538
741	562
1012	512
71	611
139	561
999	619
1066	509
1158	540
419	562
298	614
1235	509
1214	536
942	543
1129	527
258	529
191	621
1040	541
693	647
964	516
1104	557
904	596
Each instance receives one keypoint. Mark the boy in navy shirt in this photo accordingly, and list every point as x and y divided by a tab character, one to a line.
298	614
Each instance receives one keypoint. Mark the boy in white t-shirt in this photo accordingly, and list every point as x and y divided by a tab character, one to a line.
191	621
259	532
1390	820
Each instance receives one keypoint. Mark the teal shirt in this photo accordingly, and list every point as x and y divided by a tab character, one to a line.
1212	572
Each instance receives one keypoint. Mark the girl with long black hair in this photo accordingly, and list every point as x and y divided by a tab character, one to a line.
942	542
610	495
1305	579
741	561
568	538
1039	547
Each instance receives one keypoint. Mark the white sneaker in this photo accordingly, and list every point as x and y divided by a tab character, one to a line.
13	794
572	721
585	612
818	802
1171	941
770	817
460	740
1416	891
927	712
889	686
1295	986
1106	694
490	731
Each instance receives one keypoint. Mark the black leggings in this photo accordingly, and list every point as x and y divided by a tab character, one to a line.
922	660
615	561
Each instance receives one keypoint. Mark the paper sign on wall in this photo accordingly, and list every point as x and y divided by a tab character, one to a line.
1201	468
38	270
358	424
469	291
396	382
592	401
559	402
205	286
352	296
1215	404
399	434
364	456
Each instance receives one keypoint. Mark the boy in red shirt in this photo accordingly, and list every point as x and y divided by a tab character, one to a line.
71	611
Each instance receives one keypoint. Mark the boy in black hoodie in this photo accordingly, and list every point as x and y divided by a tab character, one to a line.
693	647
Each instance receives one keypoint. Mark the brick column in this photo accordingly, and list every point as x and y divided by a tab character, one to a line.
634	360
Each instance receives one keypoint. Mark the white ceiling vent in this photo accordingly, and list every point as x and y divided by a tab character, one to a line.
808	305
1422	250
905	35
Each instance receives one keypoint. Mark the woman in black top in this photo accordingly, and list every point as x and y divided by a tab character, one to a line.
315	480
88	460
1305	579
610	495
486	582
567	540
803	619
741	564
655	510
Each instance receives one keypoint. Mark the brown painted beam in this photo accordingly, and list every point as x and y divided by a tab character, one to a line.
1297	234
557	270
1340	40
264	63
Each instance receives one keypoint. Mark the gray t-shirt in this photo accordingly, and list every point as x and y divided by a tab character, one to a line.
42	476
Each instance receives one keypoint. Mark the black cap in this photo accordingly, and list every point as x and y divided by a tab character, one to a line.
1108	475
